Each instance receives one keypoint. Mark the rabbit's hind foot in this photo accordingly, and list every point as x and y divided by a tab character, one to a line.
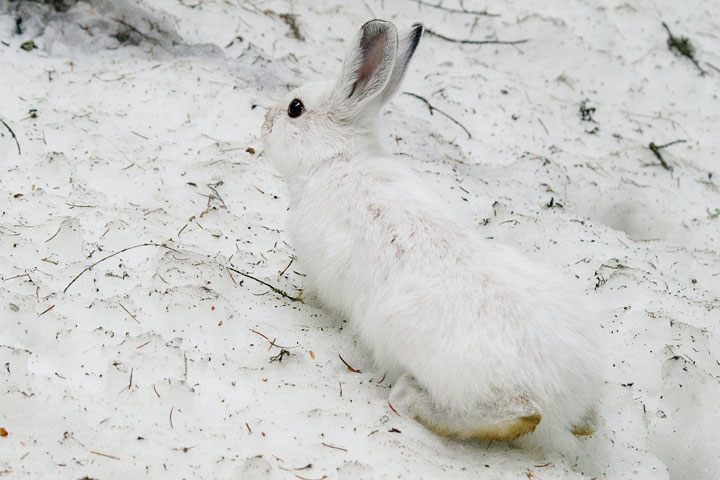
501	419
502	431
588	423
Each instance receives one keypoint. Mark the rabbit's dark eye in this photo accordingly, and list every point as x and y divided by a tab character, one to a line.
296	108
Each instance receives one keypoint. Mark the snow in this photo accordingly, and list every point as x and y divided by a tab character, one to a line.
154	356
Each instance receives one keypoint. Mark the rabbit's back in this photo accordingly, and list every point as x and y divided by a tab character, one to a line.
465	315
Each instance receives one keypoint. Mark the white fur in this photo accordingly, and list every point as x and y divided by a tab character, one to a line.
474	322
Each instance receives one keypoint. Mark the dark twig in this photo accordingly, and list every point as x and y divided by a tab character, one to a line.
274	289
586	112
104	455
135	30
475	42
713	67
682	46
433	109
213	187
290	20
12	133
150	244
671	143
353	370
656	150
279	356
455	10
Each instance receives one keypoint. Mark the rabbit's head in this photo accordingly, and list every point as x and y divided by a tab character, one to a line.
321	121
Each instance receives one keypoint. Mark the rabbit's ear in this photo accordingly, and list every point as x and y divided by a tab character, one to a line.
406	47
367	68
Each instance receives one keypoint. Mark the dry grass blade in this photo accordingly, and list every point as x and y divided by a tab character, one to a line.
13	135
353	370
104	455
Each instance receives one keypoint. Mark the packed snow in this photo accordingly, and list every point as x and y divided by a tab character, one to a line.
130	144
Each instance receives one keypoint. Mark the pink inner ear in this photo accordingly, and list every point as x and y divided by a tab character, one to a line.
372	55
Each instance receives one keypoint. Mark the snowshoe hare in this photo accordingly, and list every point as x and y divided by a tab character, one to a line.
487	342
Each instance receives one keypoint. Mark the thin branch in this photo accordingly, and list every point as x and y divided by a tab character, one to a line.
671	143
150	244
656	150
475	42
433	109
12	133
271	342
274	289
128	312
455	10
58	231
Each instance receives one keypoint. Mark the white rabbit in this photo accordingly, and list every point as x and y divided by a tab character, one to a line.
488	343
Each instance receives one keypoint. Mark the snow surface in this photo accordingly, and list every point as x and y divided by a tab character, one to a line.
146	131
